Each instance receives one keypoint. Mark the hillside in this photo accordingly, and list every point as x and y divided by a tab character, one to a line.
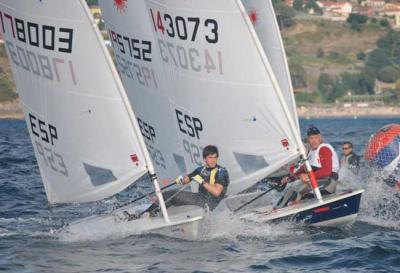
313	46
7	86
320	45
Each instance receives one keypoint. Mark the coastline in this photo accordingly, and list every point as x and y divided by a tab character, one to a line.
13	110
347	112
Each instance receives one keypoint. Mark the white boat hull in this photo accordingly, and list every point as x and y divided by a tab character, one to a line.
184	224
335	210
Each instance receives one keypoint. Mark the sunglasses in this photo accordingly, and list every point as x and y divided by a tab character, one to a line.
347	148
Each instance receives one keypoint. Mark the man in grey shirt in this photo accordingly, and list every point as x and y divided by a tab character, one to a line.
350	160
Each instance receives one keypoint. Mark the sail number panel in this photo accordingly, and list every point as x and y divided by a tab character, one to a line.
20	36
138	49
44	36
180	28
184	28
191	58
133	57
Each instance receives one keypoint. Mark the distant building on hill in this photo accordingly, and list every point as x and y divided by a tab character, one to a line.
380	87
392	12
364	10
335	10
377	5
288	2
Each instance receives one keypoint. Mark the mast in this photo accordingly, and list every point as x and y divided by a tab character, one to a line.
282	101
150	166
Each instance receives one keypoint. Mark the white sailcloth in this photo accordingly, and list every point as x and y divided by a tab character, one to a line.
262	15
82	131
141	70
219	86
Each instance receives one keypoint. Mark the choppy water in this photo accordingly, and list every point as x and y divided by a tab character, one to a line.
28	243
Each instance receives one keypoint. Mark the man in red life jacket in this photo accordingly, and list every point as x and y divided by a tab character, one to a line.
325	163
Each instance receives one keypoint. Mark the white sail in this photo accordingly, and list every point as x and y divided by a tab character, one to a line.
141	71
218	84
262	15
82	132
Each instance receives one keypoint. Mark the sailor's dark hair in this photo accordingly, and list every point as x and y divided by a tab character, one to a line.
210	150
348	143
312	130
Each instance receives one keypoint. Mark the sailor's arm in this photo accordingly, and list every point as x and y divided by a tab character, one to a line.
293	177
188	178
215	189
222	180
182	180
288	179
325	156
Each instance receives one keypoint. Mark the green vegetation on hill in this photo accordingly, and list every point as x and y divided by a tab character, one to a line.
284	14
356	21
329	60
7	87
384	61
306	5
92	2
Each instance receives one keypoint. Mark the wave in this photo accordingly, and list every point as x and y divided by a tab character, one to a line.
380	204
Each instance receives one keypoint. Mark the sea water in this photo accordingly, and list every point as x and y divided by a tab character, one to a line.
29	241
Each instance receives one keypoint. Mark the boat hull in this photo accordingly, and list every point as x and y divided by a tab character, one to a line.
334	211
184	224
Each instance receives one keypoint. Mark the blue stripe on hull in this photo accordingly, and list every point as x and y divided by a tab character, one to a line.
330	211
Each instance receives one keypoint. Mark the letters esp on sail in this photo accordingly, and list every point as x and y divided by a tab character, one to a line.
82	132
208	81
